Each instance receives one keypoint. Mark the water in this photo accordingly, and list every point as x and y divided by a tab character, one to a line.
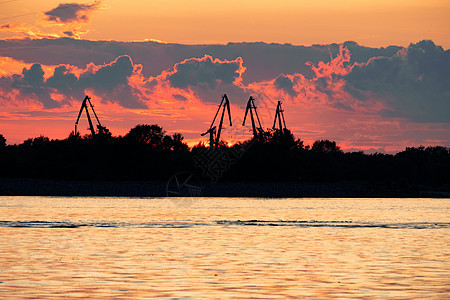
121	248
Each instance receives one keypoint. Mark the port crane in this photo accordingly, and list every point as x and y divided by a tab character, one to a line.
251	108
214	137
280	116
84	105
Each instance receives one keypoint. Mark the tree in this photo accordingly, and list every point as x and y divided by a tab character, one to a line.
74	136
326	146
2	141
283	139
177	143
147	135
37	142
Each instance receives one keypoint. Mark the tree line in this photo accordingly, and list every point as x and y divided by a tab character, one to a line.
146	152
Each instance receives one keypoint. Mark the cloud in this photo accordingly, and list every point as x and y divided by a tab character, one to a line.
326	86
262	61
413	84
112	82
71	12
207	78
66	20
180	97
27	31
65	82
285	83
31	82
206	71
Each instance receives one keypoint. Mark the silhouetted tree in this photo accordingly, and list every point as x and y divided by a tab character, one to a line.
283	139
325	146
146	153
177	143
201	146
74	136
438	150
146	134
167	142
422	151
2	141
36	142
103	135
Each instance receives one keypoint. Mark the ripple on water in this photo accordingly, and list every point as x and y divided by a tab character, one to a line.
190	224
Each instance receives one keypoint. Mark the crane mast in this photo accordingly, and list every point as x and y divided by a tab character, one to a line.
249	110
280	116
214	137
84	105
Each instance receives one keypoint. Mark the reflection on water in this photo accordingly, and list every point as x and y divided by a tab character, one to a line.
224	248
191	224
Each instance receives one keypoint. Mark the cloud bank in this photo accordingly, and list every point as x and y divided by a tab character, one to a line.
413	84
111	82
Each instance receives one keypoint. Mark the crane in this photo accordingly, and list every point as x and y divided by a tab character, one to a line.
280	116
214	137
101	129
250	108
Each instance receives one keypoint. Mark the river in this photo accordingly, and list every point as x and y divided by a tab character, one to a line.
224	248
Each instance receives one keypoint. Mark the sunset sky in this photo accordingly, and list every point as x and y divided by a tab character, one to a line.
169	63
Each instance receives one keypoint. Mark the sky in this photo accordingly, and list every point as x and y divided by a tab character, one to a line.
371	75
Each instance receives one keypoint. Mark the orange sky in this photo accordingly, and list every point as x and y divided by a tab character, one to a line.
370	22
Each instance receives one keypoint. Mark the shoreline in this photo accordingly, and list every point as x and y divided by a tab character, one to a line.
342	189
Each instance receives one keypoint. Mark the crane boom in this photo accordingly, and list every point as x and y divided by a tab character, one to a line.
227	106
250	108
101	129
214	137
280	116
92	107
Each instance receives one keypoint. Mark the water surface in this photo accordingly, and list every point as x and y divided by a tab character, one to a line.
224	248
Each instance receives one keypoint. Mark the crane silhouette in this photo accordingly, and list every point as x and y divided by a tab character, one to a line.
214	137
280	116
84	105
251	109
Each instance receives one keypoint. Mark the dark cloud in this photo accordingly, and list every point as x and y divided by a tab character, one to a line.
109	76
71	12
204	71
209	77
414	83
179	97
285	83
361	54
69	33
263	61
65	83
31	82
110	82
